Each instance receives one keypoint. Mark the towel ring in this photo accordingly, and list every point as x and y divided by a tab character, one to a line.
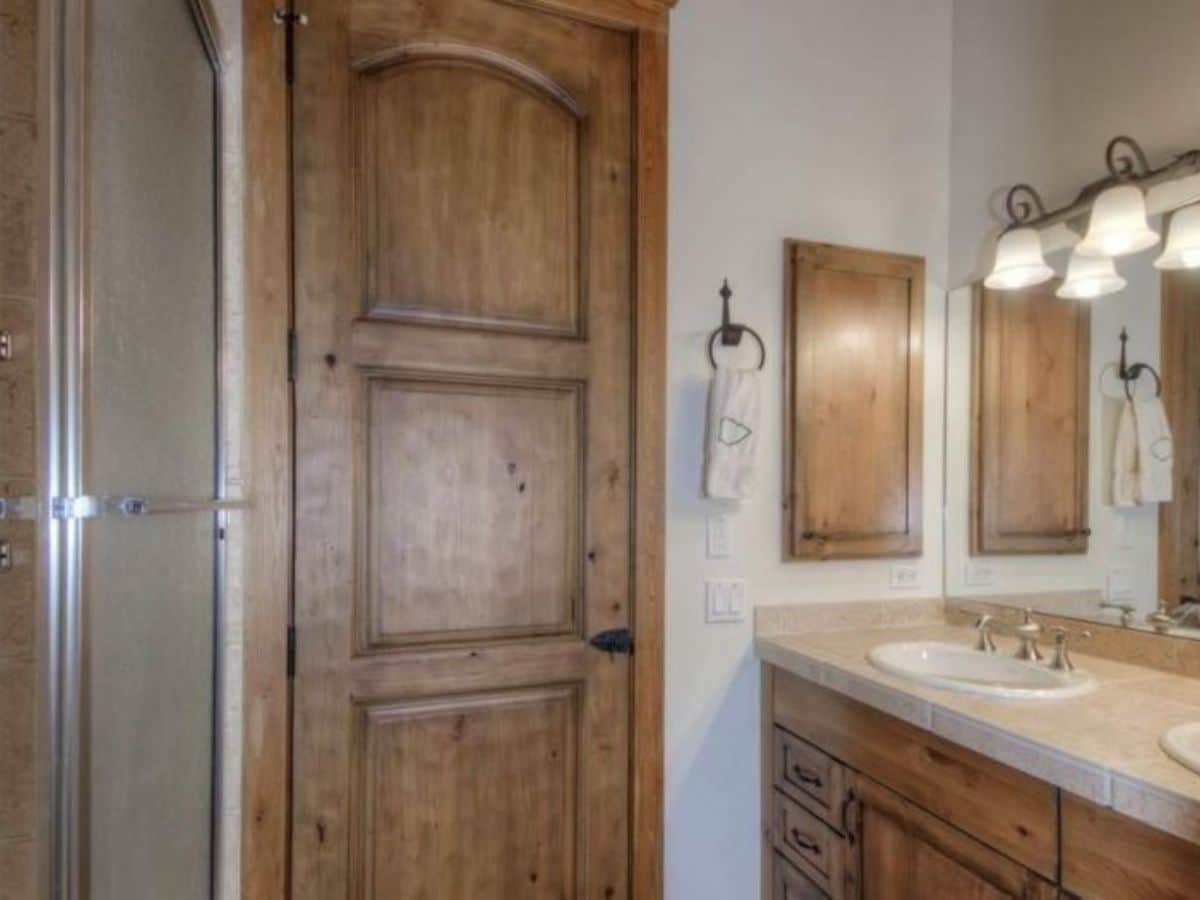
762	348
731	333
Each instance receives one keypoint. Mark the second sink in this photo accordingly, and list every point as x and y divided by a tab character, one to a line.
958	668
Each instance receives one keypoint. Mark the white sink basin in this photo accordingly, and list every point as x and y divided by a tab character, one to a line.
958	668
1182	744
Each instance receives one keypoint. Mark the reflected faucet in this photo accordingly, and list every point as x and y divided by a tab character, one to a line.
1187	612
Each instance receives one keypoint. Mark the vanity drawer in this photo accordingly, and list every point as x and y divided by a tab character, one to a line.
791	884
810	777
810	845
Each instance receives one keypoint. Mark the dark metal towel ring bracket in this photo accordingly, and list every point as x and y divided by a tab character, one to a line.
731	333
1130	373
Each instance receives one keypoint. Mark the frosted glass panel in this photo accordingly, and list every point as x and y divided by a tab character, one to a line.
148	592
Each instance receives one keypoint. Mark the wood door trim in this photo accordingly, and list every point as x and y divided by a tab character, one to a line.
268	285
649	460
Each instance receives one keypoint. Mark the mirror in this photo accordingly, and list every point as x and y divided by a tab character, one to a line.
1034	400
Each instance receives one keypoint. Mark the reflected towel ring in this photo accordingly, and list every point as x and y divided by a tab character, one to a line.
1131	373
731	333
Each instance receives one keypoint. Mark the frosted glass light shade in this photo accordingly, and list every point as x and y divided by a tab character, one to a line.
1118	225
1183	243
1019	261
1089	277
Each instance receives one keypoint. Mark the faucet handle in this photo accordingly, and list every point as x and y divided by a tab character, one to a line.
985	643
1062	651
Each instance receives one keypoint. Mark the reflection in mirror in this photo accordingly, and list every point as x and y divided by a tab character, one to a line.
1069	489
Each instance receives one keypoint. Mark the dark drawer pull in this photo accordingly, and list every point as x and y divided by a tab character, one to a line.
805	843
804	776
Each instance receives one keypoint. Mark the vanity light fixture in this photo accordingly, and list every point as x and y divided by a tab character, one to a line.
1183	241
1019	261
1118	224
1089	277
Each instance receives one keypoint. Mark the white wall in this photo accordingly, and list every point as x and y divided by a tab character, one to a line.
1039	89
815	119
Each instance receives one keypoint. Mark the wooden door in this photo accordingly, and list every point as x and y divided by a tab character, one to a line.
1030	363
464	277
1179	520
853	434
906	853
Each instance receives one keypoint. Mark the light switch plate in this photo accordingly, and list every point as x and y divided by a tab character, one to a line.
905	577
1120	585
718	537
724	600
980	574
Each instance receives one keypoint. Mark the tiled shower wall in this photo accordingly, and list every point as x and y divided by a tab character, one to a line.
18	446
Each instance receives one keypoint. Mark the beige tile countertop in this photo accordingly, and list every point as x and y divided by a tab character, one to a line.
1102	746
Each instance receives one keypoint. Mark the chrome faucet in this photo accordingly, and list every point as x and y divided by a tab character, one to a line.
1127	611
1026	633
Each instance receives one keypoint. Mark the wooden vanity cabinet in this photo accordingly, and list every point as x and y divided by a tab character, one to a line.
859	805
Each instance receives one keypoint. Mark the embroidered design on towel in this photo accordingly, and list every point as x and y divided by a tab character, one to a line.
732	432
1162	449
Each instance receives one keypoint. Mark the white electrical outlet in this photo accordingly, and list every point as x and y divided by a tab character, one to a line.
719	539
980	574
905	577
724	600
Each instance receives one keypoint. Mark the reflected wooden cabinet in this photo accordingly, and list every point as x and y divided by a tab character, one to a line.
854	388
1029	455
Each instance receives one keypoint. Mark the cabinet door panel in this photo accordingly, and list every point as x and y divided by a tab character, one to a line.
1030	423
854	403
908	854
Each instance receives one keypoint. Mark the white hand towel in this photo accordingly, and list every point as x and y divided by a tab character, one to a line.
1125	474
733	411
1143	456
1155	451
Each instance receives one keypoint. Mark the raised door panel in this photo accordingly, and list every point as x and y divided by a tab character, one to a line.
908	854
440	781
470	178
855	376
473	505
1029	477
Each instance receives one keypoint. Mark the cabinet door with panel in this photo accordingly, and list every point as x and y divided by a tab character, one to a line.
853	434
905	853
1029	460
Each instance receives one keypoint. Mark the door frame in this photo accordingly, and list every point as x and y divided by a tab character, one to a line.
266	797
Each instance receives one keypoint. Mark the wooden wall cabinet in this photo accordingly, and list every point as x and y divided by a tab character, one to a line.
1029	454
854	388
858	805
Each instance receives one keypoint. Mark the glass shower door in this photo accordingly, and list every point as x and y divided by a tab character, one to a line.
143	447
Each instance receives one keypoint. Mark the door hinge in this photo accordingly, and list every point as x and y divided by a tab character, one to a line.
618	640
292	352
289	20
291	651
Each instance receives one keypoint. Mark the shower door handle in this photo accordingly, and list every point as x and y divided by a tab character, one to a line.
134	506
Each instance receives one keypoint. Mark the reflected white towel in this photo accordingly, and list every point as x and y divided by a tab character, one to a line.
732	444
1155	450
1144	454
